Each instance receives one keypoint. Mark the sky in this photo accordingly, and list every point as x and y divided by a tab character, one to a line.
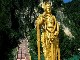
66	1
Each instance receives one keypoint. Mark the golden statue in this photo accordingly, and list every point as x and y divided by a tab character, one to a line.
47	25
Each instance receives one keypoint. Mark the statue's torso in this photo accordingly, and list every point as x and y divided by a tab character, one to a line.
49	24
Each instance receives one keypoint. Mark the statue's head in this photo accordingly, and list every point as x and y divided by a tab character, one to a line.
47	7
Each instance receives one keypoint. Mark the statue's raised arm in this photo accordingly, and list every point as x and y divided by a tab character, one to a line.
39	22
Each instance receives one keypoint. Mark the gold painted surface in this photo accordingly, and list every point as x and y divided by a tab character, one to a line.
49	36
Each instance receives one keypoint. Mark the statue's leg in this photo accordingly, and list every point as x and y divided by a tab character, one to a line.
43	44
52	51
58	53
48	50
54	47
58	50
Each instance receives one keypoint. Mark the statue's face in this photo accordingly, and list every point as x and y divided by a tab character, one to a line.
48	8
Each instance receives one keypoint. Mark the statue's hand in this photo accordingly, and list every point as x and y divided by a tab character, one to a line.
56	33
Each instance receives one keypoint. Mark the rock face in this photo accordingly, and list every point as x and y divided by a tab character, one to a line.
23	53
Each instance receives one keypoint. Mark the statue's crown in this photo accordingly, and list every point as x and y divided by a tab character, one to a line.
45	4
